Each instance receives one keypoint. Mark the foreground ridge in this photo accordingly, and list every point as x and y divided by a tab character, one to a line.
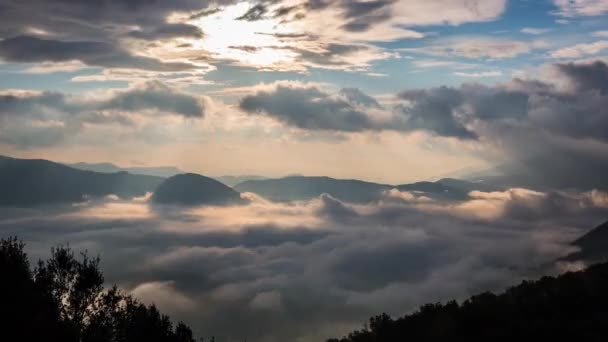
571	306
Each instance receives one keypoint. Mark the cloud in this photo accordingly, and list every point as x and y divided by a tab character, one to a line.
532	103
32	49
535	30
167	37
31	119
294	282
270	300
163	295
102	21
348	57
587	77
548	131
479	74
155	96
254	13
474	48
168	31
434	63
356	96
433	110
576	8
385	20
462	112
307	108
580	50
601	34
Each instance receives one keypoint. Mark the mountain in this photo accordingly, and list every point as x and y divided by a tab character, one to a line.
234	180
570	307
593	245
30	182
158	171
297	188
193	189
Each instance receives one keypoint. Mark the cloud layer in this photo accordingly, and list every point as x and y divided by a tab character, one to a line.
309	270
46	118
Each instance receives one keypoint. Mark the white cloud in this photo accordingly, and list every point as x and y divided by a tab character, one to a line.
601	34
434	63
475	48
164	295
580	50
479	74
535	30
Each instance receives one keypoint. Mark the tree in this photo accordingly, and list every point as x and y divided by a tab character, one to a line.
573	306
63	299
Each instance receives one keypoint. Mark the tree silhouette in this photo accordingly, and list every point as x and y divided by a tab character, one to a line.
63	299
573	306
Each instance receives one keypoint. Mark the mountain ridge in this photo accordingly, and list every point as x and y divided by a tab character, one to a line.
55	183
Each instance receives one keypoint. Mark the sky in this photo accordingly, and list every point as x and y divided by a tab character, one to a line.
511	91
349	89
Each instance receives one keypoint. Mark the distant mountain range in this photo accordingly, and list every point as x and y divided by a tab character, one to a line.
159	171
33	182
231	181
297	188
29	182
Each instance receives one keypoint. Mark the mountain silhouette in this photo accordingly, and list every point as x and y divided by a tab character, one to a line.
297	188
193	189
593	245
159	171
234	180
31	182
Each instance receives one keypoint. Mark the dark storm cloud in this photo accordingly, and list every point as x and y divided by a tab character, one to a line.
307	108
32	49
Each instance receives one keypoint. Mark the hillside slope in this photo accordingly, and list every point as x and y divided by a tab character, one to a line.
29	182
571	307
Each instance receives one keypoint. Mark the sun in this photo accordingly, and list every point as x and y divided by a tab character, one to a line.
253	43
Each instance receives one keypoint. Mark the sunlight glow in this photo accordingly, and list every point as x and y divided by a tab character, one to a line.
249	42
